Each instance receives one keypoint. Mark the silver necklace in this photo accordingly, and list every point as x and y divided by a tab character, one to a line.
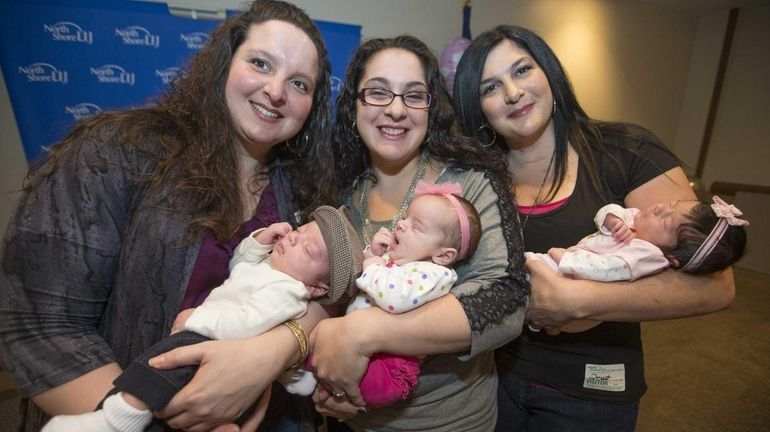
368	234
539	191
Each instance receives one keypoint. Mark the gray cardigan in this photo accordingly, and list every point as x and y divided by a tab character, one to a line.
459	392
92	272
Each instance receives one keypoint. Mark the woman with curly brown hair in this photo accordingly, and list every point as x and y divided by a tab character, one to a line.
396	126
135	214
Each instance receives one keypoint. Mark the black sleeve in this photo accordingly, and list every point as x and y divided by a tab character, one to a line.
632	157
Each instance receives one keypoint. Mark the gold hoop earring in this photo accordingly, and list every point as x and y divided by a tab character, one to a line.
481	130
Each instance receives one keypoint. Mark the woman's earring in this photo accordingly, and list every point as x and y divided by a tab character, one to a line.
553	113
482	130
355	131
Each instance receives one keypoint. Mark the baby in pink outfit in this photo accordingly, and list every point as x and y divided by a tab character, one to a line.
630	243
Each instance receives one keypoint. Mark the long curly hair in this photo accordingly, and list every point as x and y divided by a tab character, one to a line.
571	123
190	136
443	142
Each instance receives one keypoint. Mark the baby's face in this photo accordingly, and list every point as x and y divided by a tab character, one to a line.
420	234
659	223
302	254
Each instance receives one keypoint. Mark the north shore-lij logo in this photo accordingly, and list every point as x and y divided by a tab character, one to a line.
66	31
82	110
336	83
195	40
168	74
136	35
44	72
113	74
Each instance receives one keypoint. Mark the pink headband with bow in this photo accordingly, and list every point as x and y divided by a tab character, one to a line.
728	216
450	191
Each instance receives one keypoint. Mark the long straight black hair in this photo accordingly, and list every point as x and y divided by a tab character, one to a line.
571	123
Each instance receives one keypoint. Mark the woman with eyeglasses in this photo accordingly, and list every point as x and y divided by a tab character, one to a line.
395	127
512	92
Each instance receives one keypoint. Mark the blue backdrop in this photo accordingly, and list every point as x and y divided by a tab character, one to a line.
63	60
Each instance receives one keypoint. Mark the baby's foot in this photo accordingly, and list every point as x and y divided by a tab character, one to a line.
116	416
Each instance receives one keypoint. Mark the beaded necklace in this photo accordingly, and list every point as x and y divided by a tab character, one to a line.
368	234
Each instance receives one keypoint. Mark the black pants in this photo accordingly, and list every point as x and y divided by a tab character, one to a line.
156	387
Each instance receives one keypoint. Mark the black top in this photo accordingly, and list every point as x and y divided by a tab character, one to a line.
604	363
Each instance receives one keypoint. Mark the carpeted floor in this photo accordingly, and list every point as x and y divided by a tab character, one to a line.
705	374
711	373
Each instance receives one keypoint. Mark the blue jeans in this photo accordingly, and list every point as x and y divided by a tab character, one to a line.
524	406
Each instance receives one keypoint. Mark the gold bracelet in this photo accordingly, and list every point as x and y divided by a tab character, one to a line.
301	336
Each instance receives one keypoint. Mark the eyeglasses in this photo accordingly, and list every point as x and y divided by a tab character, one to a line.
383	97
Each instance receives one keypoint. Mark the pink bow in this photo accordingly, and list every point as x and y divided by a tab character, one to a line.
426	188
451	191
728	212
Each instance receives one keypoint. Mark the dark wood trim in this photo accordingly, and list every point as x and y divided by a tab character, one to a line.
717	92
727	188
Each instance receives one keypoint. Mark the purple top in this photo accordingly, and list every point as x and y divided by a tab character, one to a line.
212	265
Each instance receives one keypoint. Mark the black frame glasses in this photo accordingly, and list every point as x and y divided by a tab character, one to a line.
367	96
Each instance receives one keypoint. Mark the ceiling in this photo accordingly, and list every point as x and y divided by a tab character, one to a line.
705	6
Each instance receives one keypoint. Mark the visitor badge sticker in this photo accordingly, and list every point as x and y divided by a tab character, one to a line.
610	377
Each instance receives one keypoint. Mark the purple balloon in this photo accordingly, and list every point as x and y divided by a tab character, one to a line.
450	57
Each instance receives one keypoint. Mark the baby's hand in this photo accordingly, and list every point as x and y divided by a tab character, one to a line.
381	241
180	320
620	231
374	259
556	254
273	233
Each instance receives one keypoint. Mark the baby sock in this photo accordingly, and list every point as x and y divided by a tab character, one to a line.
299	382
115	416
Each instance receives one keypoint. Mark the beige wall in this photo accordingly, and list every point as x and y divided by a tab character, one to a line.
13	165
740	146
636	62
699	88
436	22
626	61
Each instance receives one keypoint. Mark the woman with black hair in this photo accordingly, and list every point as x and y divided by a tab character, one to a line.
513	94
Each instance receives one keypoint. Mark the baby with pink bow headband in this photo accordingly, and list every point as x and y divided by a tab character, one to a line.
690	236
409	267
405	269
